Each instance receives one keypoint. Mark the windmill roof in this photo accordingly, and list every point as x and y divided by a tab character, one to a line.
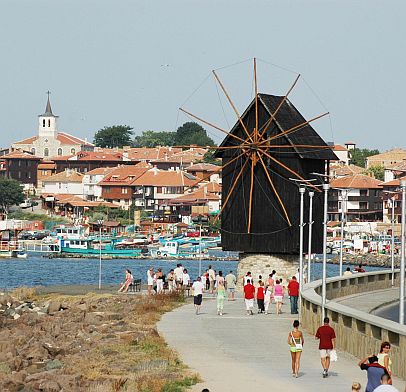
286	118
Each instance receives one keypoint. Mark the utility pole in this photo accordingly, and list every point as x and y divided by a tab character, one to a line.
309	249
326	187
402	257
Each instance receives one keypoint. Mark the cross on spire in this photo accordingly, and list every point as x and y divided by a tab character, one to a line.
48	109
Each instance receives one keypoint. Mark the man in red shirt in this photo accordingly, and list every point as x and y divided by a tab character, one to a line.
327	344
293	288
249	296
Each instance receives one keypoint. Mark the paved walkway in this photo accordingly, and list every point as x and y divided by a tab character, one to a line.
235	352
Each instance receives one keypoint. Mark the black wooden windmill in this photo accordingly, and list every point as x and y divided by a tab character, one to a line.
270	143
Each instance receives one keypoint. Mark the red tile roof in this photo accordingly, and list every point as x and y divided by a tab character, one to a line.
185	157
65	176
123	175
200	195
156	177
20	155
27	141
203	167
395	182
339	147
356	181
66	138
345	170
100	171
149	154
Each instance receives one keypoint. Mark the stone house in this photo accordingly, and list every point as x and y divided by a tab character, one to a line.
68	182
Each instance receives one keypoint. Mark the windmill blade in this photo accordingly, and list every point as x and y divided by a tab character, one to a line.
212	125
253	163
275	191
291	171
233	106
232	189
273	115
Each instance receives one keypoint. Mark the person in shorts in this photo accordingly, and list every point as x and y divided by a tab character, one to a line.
198	289
231	280
249	296
327	339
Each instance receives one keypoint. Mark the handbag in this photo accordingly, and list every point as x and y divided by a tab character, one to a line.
298	346
333	356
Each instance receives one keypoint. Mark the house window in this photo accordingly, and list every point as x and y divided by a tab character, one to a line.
363	205
33	151
44	172
159	189
107	189
49	123
124	190
28	162
19	163
19	174
73	151
43	122
363	192
59	185
59	151
46	152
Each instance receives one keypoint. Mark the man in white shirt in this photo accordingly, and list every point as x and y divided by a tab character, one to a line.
178	271
198	289
230	285
347	272
185	278
212	278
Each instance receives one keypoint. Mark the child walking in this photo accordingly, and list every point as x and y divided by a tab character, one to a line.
261	297
267	298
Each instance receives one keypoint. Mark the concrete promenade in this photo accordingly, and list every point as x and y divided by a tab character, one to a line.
235	352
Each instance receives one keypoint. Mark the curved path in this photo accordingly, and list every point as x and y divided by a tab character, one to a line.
235	352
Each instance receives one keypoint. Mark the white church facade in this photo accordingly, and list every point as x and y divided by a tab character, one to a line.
50	142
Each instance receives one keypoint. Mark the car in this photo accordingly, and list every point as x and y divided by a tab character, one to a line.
26	203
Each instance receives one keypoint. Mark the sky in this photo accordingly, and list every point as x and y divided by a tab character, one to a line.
133	62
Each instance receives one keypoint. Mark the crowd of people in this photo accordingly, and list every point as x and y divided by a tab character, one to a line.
265	291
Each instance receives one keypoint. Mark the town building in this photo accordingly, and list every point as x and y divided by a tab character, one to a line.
338	170
148	154
205	171
359	195
67	182
21	166
391	195
387	158
395	170
342	154
49	141
91	188
180	160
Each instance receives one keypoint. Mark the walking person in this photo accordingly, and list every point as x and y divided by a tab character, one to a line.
267	298
383	357
212	279
150	280
159	281
271	280
185	279
261	297
278	296
178	275
293	289
198	289
246	278
220	278
231	280
221	295
327	342
296	342
171	281
249	296
374	372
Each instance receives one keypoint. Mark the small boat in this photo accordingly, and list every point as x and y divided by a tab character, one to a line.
22	255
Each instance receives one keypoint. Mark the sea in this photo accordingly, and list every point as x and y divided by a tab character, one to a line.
37	270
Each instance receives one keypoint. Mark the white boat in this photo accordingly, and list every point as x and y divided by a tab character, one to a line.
21	255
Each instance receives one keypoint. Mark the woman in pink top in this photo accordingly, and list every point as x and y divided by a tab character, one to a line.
278	296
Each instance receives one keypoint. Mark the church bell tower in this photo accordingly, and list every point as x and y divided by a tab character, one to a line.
47	122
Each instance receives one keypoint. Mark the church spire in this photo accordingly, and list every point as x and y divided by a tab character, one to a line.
48	109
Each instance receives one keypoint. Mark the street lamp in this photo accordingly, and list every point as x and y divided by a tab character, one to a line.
309	250
326	187
344	194
391	203
402	257
100	223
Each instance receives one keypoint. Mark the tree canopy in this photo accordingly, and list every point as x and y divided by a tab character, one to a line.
114	136
153	139
359	155
378	171
190	133
11	193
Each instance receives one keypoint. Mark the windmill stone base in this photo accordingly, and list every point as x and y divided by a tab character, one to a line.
285	266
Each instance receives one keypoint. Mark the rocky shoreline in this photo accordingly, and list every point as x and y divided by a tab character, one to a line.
379	260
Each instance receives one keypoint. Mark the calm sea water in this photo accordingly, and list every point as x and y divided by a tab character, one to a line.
37	270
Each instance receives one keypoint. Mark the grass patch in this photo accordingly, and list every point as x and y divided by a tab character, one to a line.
180	385
24	293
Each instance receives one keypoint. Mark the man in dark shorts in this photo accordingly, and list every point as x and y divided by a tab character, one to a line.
327	343
198	289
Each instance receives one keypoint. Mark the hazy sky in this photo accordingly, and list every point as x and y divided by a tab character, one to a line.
135	62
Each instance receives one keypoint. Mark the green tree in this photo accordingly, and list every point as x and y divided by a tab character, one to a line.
11	193
359	155
192	133
153	139
114	136
378	171
209	158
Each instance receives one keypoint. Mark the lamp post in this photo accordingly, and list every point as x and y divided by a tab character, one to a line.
100	223
402	257
343	200
326	187
200	250
309	250
302	191
392	245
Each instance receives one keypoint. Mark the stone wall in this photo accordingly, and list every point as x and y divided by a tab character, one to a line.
262	264
357	332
